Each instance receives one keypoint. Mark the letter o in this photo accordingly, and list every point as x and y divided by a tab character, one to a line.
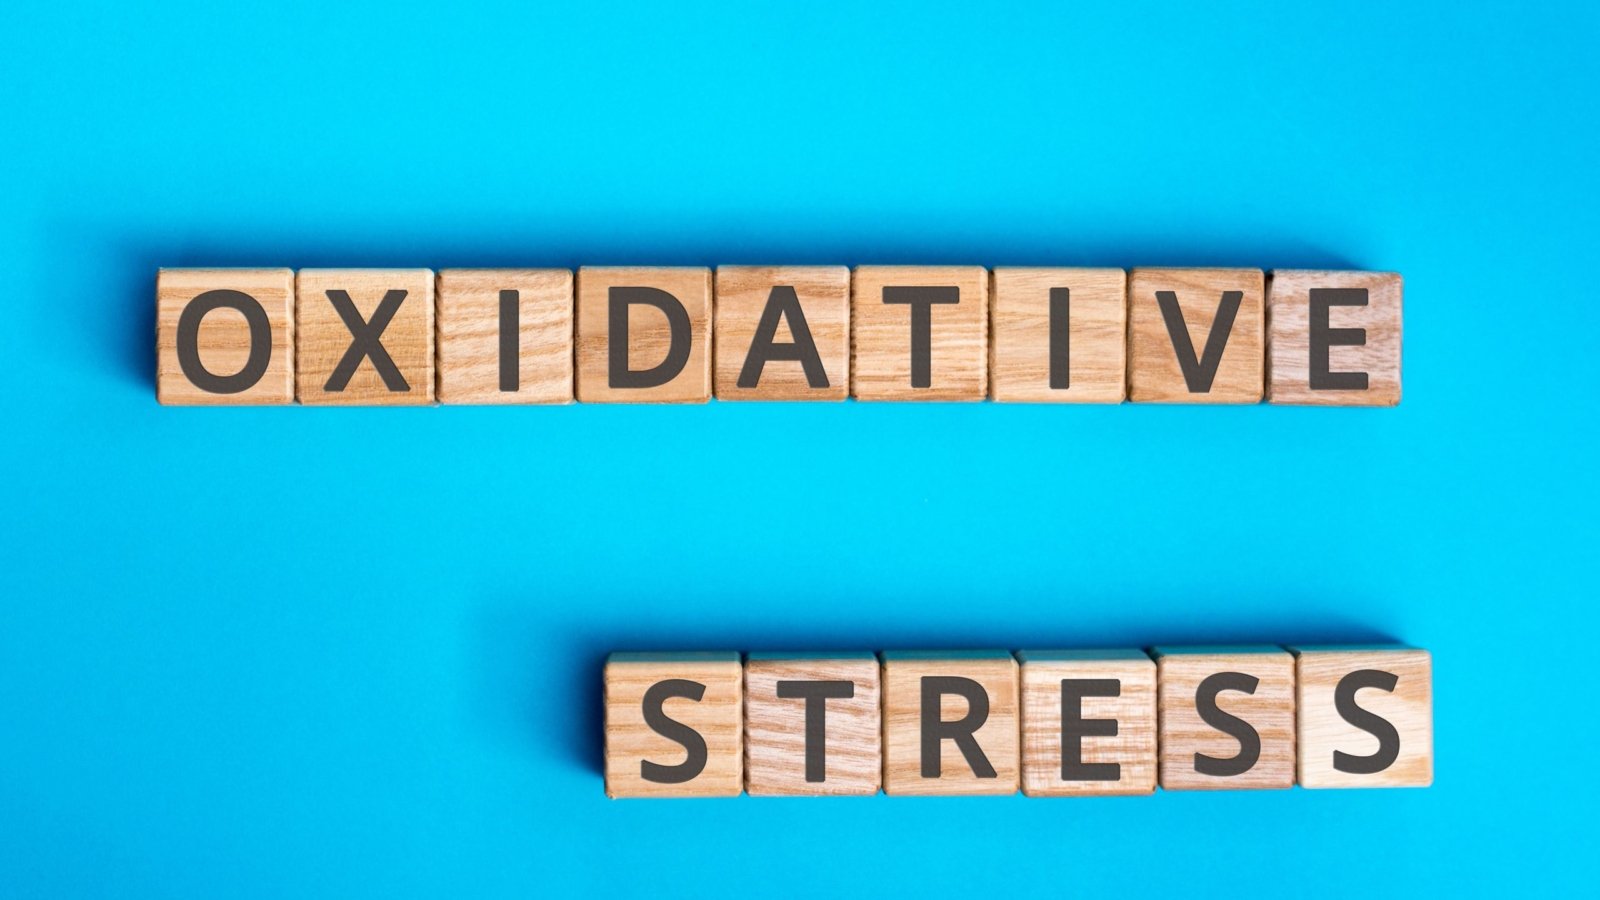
255	365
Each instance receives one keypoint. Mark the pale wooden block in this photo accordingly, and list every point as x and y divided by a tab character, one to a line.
393	306
505	336
1112	702
1341	350
813	740
682	366
1390	695
1058	335
656	728
1225	365
796	311
1186	736
950	766
939	353
239	324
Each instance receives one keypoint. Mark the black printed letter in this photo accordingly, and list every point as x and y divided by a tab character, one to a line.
816	694
1205	701
673	730
935	730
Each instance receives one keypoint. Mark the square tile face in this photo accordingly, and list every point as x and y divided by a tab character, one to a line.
812	725
1058	335
505	336
782	332
364	337
644	335
919	333
224	337
1098	704
674	725
1226	717
950	722
1333	338
1196	335
1365	717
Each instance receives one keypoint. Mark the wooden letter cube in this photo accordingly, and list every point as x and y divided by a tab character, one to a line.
1058	335
364	337
782	332
812	724
1227	717
1333	338
1365	716
224	337
505	335
1099	706
919	333
1195	335
644	335
674	724
950	722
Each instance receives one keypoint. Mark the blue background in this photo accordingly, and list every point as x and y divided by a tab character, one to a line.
317	652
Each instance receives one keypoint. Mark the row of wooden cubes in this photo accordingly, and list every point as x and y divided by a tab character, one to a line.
682	335
1054	723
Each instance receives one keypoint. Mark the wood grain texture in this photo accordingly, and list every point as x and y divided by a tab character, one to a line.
1132	748
881	335
1154	372
998	737
468	335
775	728
1289	338
742	296
1020	330
322	337
1322	730
649	336
1269	710
718	717
223	338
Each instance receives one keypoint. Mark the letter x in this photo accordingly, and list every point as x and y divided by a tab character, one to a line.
366	341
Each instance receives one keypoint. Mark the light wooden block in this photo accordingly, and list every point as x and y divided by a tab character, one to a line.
1196	360
1376	730
1058	335
650	366
812	724
986	760
1108	700
1190	744
919	333
782	332
1333	338
674	725
505	336
237	328
333	367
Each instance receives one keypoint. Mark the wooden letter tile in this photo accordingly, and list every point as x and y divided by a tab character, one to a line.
783	332
505	335
662	351
224	337
674	724
1195	336
1098	704
1227	717
1058	335
1365	716
364	337
950	722
812	724
1333	338
919	333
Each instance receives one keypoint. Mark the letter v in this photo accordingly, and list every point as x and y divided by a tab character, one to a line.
1199	373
